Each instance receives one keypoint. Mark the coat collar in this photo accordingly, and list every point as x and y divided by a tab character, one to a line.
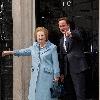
48	43
45	49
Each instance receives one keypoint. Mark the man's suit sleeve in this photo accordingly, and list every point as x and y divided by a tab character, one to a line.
76	35
61	59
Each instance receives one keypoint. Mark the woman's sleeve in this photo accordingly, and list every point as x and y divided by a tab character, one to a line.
23	52
55	62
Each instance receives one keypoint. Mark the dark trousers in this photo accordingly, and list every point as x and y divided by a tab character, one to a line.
75	85
79	85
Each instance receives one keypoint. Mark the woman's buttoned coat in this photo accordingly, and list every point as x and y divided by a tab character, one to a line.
45	67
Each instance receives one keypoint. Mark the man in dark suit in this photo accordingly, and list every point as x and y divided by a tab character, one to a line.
72	56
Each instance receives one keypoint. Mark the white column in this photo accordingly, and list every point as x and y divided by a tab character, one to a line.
99	49
23	27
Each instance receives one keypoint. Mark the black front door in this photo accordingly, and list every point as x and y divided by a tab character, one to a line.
85	15
6	43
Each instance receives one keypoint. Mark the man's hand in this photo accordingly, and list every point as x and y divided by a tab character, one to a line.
56	79
62	78
68	34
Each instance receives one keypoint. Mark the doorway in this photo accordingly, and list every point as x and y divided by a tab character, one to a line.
6	43
85	15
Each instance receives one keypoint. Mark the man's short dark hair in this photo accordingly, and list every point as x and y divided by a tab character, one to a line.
64	18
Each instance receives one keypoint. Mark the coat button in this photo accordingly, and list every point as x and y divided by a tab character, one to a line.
32	70
38	61
37	69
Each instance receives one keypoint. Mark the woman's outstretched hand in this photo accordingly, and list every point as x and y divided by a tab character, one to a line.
5	53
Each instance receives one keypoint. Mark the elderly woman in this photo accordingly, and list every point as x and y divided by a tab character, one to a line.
45	65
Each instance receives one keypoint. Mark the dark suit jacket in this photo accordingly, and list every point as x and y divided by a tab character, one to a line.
74	57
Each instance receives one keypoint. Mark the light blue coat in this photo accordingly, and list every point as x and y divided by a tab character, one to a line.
45	67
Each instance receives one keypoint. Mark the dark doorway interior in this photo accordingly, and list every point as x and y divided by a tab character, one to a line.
85	15
6	43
